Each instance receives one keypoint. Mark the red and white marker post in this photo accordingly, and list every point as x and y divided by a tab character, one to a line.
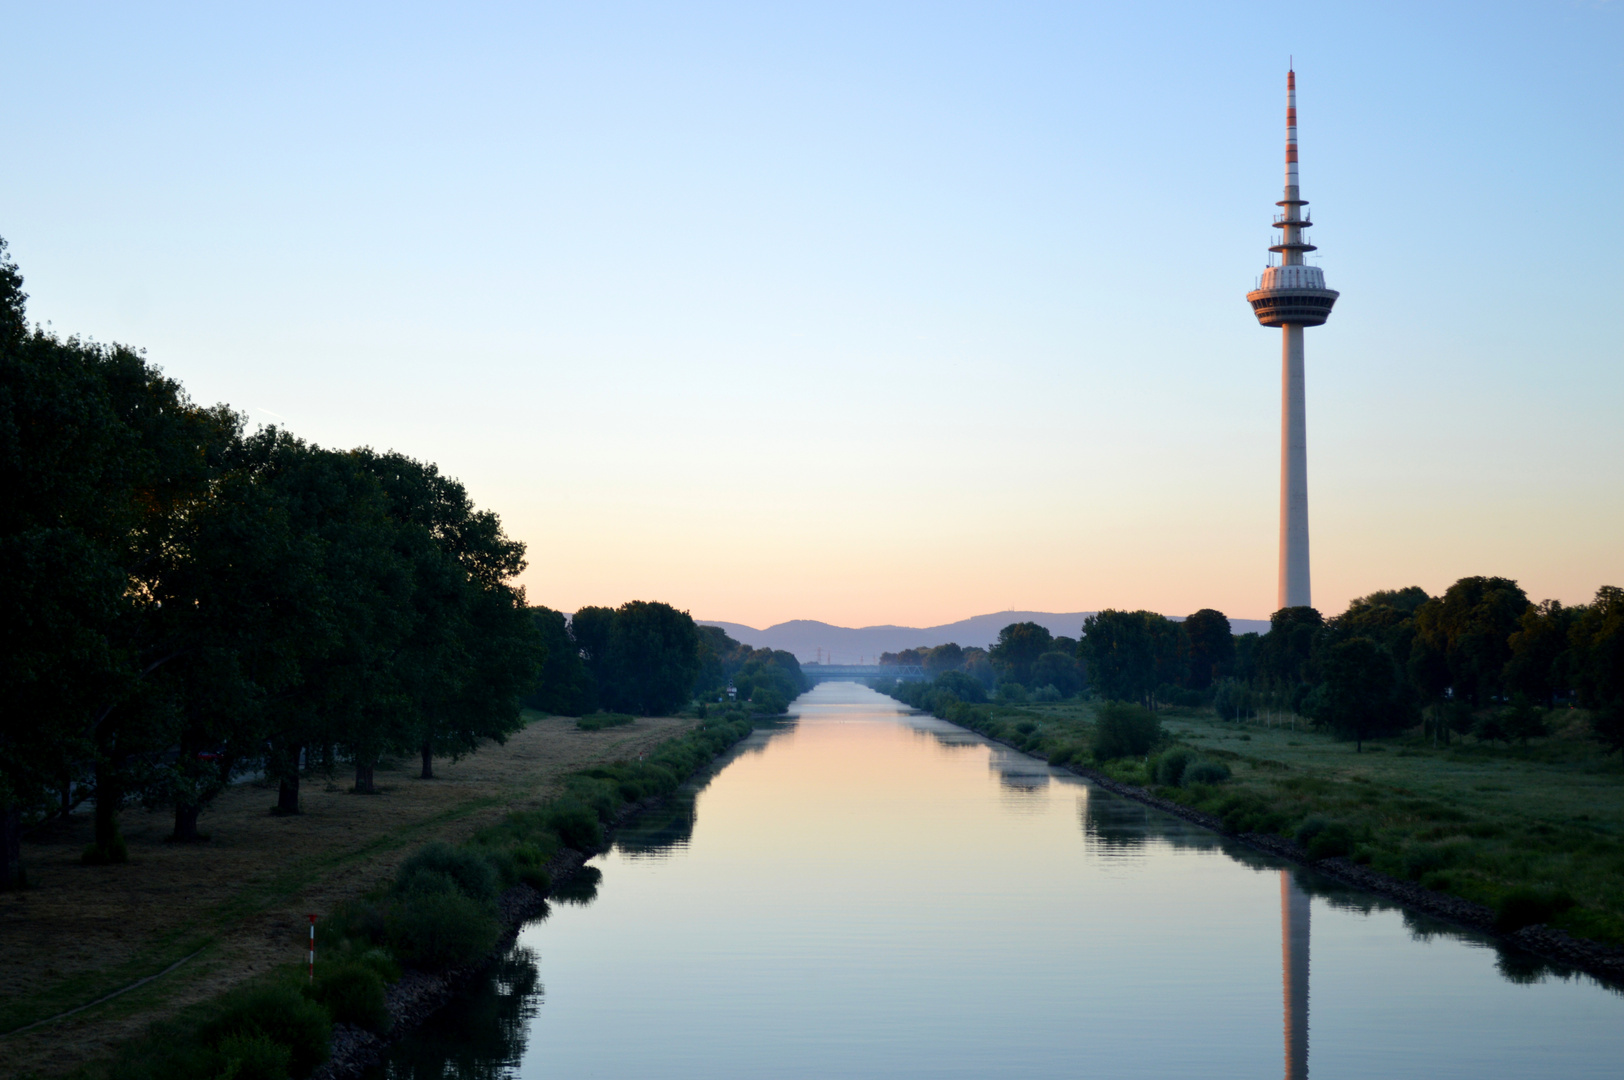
312	948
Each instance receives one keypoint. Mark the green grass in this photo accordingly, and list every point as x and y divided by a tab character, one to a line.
1490	823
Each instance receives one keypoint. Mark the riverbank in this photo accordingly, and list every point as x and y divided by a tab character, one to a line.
1461	833
216	915
417	995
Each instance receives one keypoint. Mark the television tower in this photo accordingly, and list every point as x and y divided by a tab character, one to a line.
1291	296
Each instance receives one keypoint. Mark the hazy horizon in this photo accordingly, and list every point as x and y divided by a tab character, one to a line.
871	313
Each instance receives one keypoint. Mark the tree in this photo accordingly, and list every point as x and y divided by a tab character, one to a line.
1130	653
1017	649
1284	653
474	649
101	456
961	686
1463	639
1598	642
942	658
1541	663
564	688
653	658
1119	653
1059	670
771	678
1212	647
1360	695
719	658
591	627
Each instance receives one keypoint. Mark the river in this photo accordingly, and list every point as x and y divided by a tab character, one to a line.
862	892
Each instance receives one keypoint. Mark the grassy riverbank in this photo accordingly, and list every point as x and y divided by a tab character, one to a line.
233	909
1535	832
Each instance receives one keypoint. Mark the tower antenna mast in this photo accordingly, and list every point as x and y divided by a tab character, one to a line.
1292	296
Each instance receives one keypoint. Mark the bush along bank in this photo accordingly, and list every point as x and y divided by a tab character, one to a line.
387	960
1550	889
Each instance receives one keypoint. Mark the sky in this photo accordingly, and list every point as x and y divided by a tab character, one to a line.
871	312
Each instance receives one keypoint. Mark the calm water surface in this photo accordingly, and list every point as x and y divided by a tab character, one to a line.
867	893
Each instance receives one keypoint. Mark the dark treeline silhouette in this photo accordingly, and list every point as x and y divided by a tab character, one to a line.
649	658
188	600
1482	658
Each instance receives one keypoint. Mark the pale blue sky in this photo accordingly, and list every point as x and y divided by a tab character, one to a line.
871	312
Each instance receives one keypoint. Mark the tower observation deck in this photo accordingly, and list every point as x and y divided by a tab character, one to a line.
1292	295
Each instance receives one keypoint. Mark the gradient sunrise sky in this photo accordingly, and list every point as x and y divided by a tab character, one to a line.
871	312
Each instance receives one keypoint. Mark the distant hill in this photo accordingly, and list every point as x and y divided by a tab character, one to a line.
848	645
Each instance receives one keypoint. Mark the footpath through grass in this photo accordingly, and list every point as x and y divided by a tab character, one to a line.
1535	832
238	902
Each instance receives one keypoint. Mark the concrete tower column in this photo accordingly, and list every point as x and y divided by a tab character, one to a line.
1294	943
1294	587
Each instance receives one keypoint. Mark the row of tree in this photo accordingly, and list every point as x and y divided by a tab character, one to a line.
1394	658
1025	655
187	601
649	658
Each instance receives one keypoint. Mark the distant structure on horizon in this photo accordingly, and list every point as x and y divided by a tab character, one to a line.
1292	295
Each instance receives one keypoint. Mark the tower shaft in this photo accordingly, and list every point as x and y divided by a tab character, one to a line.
1294	588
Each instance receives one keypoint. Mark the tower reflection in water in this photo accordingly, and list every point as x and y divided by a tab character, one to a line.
1294	974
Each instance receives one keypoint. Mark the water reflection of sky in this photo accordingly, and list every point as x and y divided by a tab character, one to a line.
860	893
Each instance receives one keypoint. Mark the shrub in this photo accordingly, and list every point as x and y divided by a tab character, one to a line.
1124	730
1065	754
962	686
1423	859
1011	692
437	930
278	1014
1047	693
252	1056
469	871
1525	907
1323	838
352	993
599	720
576	825
351	920
1169	768
1205	772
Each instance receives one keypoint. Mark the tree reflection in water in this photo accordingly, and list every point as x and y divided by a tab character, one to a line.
480	1035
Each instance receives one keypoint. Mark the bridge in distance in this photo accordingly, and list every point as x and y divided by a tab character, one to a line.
817	673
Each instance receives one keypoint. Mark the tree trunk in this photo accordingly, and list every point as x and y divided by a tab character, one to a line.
428	763
186	823
287	788
108	798
11	847
363	780
67	795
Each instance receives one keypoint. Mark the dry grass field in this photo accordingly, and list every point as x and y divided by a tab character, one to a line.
224	910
